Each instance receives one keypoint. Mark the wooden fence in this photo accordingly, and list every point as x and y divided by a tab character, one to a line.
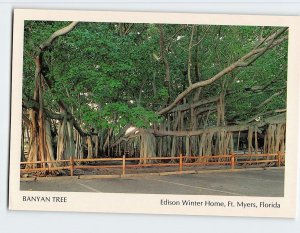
232	161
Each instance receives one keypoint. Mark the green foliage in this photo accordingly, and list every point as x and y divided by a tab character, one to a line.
110	77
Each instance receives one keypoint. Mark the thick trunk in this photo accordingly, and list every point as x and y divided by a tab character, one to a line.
49	148
275	138
62	140
40	134
71	138
90	147
147	146
78	146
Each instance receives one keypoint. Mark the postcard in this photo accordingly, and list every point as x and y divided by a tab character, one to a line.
155	113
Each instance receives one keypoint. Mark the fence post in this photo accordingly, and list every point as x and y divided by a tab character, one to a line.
72	165
232	160
180	163
278	159
123	164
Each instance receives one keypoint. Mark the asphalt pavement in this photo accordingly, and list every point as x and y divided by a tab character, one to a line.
269	183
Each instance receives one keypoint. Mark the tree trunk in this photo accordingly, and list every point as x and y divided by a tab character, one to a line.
147	146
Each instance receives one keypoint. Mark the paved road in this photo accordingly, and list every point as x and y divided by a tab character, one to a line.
243	183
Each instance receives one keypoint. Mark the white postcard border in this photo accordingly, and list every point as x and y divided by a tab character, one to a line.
150	203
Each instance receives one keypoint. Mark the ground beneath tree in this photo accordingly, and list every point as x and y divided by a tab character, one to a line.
265	182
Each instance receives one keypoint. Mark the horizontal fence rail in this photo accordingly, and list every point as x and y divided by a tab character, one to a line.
231	161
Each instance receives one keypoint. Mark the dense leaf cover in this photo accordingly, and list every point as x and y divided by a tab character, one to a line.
112	74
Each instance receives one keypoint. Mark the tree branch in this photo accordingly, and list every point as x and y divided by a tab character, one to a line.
232	128
32	104
242	62
185	107
57	34
163	55
267	100
261	114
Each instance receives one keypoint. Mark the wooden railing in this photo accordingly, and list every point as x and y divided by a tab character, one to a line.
232	161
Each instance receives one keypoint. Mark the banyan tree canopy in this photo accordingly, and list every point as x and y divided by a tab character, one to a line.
105	89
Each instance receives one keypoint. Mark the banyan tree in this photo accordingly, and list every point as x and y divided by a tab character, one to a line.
94	90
